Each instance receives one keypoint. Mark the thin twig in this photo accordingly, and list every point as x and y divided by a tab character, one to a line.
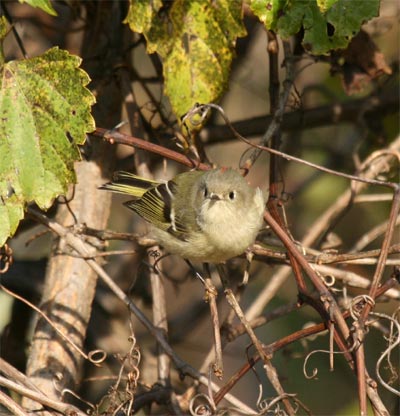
269	368
60	333
287	340
353	279
318	227
326	257
117	137
277	101
14	30
360	330
138	124
393	341
379	103
210	297
11	372
329	301
11	405
383	254
83	248
160	319
361	179
372	235
64	408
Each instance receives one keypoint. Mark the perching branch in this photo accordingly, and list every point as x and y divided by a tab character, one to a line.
84	249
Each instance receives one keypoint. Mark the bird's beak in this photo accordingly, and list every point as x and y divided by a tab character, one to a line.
215	197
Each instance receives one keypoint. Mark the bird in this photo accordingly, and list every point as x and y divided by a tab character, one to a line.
205	216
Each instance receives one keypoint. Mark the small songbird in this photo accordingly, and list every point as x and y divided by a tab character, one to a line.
202	216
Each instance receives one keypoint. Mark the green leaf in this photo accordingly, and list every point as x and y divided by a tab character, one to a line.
327	24
347	17
3	33
141	14
45	5
325	5
268	11
3	27
195	40
11	212
44	115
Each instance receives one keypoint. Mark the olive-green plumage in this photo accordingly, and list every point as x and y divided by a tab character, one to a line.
204	216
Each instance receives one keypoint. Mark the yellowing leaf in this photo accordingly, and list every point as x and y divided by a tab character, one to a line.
141	14
195	39
45	5
11	212
44	115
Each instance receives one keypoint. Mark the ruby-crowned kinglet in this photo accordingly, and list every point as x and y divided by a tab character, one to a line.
203	216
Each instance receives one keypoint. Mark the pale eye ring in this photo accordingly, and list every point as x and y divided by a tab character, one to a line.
232	195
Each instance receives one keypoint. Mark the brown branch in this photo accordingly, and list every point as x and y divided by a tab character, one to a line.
321	224
326	297
383	255
268	367
113	137
317	257
372	234
372	107
69	288
41	398
160	320
8	403
360	330
261	320
84	249
210	296
64	336
283	342
277	102
137	125
327	258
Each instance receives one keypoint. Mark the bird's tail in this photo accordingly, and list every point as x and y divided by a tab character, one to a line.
129	184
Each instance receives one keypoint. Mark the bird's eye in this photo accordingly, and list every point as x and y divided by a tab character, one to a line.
205	192
232	195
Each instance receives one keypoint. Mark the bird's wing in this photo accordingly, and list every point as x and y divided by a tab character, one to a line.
159	206
156	207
